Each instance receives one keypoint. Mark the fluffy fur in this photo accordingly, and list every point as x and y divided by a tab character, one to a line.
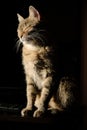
42	89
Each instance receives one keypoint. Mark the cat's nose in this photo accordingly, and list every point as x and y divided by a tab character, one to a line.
23	38
21	35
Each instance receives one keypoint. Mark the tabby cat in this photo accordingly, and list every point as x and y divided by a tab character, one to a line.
43	92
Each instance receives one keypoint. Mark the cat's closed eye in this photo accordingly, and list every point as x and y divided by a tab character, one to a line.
26	24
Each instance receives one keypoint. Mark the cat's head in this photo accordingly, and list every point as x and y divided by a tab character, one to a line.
26	25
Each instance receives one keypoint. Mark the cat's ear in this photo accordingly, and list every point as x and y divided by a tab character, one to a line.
20	18
33	13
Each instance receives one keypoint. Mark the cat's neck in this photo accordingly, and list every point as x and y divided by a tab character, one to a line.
29	49
30	46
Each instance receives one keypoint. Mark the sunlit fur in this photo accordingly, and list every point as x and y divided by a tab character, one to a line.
37	58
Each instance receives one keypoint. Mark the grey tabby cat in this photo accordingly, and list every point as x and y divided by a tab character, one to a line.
42	89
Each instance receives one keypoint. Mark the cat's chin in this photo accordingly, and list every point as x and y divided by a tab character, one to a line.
23	40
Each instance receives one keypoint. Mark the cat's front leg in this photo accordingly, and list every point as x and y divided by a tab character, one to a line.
30	91
41	105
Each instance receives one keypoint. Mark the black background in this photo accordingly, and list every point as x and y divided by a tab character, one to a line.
64	18
64	23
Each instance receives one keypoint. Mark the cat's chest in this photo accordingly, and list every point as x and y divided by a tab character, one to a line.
34	71
33	59
29	62
34	66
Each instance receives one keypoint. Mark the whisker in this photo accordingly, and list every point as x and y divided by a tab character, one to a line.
17	45
16	39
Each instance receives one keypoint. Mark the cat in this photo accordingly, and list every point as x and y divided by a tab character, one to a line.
42	89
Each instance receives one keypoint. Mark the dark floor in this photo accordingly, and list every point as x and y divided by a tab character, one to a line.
61	121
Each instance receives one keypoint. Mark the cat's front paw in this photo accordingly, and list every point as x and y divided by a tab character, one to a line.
38	113
26	112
